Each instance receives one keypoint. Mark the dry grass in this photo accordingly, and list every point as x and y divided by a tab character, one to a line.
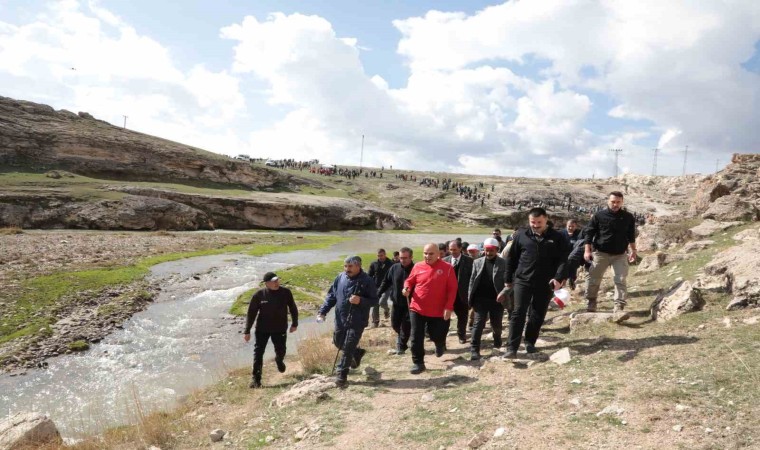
7	231
317	354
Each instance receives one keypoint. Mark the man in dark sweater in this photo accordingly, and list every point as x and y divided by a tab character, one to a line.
377	271
462	265
486	295
394	283
571	232
608	236
535	267
270	305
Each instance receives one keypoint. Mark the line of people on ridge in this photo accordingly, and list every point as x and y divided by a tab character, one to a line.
518	275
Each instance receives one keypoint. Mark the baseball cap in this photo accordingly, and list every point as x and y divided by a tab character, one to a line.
490	242
271	276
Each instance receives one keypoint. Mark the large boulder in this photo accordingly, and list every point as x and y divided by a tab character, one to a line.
27	430
309	388
652	262
694	246
709	227
731	208
740	179
681	298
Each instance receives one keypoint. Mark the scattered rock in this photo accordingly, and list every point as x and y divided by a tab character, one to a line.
371	373
27	430
312	387
427	397
709	227
681	408
731	207
478	440
575	401
216	435
561	357
681	298
269	439
734	270
751	320
499	432
611	410
694	246
727	322
651	263
677	428
579	319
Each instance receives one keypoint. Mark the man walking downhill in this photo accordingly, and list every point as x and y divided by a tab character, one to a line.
394	283
462	265
352	294
377	271
609	234
432	287
572	233
535	267
487	295
270	306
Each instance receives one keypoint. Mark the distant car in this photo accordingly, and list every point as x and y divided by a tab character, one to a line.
270	163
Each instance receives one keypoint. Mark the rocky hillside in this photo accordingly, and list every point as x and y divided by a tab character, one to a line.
37	137
733	193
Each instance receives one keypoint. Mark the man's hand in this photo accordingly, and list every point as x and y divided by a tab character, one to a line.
355	300
555	284
247	337
405	292
588	255
293	329
632	257
320	318
446	314
501	298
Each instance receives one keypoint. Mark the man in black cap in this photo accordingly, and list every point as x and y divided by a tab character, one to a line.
270	305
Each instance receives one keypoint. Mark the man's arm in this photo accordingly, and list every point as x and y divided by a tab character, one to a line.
330	298
513	258
293	312
253	312
386	283
368	294
452	287
590	232
372	270
632	239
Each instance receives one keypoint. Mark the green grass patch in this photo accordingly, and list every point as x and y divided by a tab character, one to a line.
79	346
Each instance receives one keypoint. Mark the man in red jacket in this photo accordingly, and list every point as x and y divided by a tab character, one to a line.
432	287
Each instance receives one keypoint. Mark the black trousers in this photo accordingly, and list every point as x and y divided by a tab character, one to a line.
436	327
260	345
401	324
348	340
483	310
530	301
462	311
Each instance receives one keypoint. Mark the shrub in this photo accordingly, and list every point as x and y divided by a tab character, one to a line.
317	354
7	231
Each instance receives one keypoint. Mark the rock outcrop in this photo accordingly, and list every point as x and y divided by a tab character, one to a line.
35	136
27	430
681	298
741	181
735	271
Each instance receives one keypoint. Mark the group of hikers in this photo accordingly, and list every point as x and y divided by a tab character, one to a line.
518	275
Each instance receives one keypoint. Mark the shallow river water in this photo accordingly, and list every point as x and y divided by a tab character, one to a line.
183	341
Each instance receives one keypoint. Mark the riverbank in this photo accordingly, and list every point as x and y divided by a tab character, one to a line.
64	290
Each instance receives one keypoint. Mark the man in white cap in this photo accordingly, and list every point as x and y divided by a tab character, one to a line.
270	305
473	251
486	295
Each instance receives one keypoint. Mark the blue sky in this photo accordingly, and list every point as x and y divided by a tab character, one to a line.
513	88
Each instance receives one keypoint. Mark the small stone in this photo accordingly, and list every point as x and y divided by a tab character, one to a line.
727	322
269	439
576	381
751	320
575	402
681	408
709	430
677	428
427	398
478	440
611	410
216	435
561	357
499	432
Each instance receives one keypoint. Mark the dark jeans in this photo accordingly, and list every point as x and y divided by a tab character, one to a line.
383	303
350	338
530	301
260	345
437	328
401	324
462	311
484	310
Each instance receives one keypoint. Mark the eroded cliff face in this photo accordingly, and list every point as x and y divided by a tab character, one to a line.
36	136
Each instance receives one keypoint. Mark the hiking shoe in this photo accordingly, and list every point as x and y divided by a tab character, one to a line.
497	343
280	365
439	349
254	384
530	348
462	340
591	306
358	357
341	382
474	355
387	314
417	369
510	354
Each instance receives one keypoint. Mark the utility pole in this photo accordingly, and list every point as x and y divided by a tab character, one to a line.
654	164
617	153
685	155
125	122
717	161
361	158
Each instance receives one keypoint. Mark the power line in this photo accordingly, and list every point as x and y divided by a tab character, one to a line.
654	163
685	155
617	153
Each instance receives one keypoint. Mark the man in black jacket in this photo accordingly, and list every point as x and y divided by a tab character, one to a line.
487	294
571	232
463	269
377	271
535	267
270	305
609	234
394	283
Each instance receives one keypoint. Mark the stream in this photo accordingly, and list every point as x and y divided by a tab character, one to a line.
183	341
